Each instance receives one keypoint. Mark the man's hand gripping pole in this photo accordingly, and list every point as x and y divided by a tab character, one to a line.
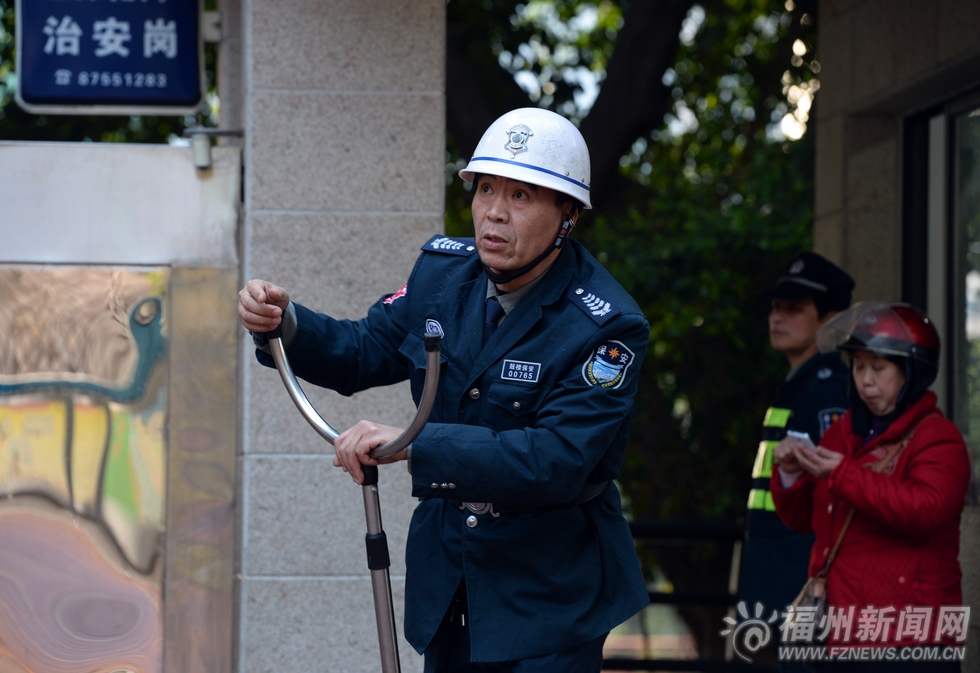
377	543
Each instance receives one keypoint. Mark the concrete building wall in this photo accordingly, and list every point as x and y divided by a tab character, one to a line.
882	61
343	109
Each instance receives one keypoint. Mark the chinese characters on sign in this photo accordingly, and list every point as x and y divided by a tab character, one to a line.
63	37
108	55
111	35
160	38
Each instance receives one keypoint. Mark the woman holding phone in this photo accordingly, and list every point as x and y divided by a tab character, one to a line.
883	492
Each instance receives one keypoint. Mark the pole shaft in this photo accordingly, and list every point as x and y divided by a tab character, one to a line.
377	545
384	610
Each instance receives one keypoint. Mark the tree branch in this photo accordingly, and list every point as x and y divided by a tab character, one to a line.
478	90
632	101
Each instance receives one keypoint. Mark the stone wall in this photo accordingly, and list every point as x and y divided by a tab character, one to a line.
881	60
970	563
343	110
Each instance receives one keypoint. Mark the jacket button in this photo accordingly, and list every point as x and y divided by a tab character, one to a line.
435	485
517	406
830	508
826	551
443	485
452	486
475	394
471	521
901	580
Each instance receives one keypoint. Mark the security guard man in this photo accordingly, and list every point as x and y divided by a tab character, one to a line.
518	553
813	396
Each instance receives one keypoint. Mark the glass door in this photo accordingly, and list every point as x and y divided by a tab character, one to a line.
965	209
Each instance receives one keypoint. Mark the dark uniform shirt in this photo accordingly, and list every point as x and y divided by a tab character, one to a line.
519	427
775	558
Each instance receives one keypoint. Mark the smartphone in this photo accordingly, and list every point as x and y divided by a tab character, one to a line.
803	437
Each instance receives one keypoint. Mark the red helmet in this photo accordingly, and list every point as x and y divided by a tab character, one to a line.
897	330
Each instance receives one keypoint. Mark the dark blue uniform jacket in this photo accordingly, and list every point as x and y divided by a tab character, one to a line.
526	420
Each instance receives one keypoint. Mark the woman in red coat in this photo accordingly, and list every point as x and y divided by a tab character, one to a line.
895	579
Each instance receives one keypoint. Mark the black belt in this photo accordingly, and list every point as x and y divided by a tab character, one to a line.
588	492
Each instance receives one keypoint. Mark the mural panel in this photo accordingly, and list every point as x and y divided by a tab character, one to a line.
83	466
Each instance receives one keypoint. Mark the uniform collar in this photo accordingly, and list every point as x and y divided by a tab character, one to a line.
509	300
553	282
560	274
522	317
820	359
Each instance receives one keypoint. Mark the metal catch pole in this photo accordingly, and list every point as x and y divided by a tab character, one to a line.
376	542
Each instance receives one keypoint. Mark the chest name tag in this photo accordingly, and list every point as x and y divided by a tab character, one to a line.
516	370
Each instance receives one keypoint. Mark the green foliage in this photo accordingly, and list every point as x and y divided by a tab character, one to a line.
725	203
696	261
16	124
559	39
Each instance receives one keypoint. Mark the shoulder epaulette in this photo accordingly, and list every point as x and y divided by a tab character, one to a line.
592	303
449	246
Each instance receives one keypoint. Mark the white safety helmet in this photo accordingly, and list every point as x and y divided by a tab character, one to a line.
538	147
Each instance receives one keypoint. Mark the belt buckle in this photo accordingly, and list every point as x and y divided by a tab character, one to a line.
480	508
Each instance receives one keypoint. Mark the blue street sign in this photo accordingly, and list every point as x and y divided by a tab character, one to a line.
109	56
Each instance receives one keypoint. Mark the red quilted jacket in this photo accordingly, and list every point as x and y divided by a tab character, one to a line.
901	548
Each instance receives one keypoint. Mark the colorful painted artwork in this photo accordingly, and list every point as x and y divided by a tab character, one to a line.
83	466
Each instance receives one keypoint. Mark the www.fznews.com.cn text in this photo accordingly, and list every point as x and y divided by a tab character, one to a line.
811	653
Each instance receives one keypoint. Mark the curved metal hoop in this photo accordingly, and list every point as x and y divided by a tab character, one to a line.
433	345
377	545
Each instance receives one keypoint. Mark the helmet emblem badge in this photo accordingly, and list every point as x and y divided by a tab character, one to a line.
797	266
517	139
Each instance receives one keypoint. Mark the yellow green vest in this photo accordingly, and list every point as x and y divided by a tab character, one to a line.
761	498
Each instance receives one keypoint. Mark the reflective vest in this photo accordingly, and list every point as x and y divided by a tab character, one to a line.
809	401
773	431
774	558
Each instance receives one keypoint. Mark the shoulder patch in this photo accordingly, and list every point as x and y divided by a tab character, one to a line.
390	299
592	303
607	365
828	417
449	246
434	326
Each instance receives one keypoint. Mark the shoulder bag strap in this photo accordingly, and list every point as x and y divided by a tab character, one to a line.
893	450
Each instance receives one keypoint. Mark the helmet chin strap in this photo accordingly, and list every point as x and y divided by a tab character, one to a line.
509	276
